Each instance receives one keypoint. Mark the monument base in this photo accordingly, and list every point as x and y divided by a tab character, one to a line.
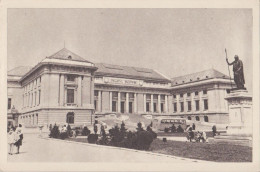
240	128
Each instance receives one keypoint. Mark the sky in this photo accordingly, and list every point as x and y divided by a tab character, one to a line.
174	42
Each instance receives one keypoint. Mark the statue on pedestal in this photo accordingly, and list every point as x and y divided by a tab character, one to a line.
238	72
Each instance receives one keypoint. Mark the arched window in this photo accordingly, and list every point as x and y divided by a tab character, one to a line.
70	118
197	118
206	118
189	117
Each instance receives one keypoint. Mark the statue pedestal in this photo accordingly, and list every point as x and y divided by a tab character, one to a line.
240	128
240	113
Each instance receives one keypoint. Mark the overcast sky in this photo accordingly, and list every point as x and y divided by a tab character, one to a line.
173	41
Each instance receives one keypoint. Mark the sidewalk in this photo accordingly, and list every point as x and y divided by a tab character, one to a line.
35	149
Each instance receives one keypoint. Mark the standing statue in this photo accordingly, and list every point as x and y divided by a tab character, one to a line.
238	72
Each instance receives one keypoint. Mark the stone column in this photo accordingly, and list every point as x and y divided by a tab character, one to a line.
127	103
151	108
62	82
79	92
110	101
119	103
166	104
135	103
159	103
144	102
99	101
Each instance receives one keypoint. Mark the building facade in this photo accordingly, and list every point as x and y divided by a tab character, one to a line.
201	96
66	88
59	89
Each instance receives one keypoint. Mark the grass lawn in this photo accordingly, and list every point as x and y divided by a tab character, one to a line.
203	151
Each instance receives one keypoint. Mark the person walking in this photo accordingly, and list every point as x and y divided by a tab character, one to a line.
193	126
18	139
214	130
11	140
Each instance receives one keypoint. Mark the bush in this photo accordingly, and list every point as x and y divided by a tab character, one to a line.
55	133
144	140
116	136
166	130
104	139
139	127
64	135
85	131
92	138
149	129
180	129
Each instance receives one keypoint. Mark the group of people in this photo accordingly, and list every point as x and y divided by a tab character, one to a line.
14	138
195	136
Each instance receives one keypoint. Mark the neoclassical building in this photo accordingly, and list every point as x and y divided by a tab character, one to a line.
66	88
59	89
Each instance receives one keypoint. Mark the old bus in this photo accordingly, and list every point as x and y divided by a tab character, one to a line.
160	123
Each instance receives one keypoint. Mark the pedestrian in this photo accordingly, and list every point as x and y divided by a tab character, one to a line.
214	130
204	136
193	126
18	139
11	140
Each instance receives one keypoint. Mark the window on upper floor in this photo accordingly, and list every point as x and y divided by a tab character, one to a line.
197	105
9	103
70	96
204	91
70	78
196	93
206	105
175	107
188	94
189	105
182	107
174	96
181	95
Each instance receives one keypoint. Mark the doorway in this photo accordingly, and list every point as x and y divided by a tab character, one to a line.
122	107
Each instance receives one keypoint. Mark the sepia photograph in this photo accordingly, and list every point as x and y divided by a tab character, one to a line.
130	85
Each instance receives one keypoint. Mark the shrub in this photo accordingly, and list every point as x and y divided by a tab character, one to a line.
180	129
116	136
92	138
85	131
144	140
64	135
149	129
166	130
139	127
55	133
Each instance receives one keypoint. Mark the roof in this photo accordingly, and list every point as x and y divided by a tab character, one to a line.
66	54
129	72
19	71
198	76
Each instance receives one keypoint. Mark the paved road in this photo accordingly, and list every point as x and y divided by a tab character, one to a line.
35	149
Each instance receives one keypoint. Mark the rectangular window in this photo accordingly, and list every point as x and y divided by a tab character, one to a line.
39	97
35	98
204	91
174	96
181	95
95	105
189	105
175	107
70	96
9	103
71	78
113	106
196	93
147	107
197	105
205	104
96	93
182	107
188	94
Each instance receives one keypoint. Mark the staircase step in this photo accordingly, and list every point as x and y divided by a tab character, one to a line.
232	137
